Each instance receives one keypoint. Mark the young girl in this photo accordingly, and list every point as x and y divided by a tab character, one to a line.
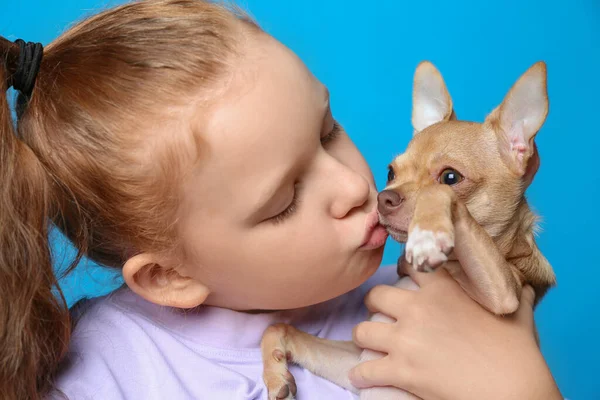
176	141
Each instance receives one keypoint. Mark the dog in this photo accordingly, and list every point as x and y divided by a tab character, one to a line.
456	197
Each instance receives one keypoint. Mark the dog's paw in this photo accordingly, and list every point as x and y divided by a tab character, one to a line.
426	249
280	383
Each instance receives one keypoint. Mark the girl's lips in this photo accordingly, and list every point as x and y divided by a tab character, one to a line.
375	234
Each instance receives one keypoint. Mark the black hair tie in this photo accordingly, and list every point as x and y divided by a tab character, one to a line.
28	66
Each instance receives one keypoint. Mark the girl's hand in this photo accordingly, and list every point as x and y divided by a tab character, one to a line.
444	345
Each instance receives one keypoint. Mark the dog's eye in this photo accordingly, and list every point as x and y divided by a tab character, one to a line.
450	177
391	174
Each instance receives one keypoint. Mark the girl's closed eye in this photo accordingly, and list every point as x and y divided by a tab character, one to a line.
332	135
293	205
289	210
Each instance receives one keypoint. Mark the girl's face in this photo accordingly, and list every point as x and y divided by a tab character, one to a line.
275	211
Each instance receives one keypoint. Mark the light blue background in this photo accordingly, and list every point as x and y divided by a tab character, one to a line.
366	54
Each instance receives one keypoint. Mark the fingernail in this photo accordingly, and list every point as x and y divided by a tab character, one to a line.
529	291
355	378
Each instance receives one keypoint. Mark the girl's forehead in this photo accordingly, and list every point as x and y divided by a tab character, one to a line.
264	122
271	89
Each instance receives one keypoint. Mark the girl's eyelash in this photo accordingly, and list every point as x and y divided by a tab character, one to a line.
335	132
293	206
289	210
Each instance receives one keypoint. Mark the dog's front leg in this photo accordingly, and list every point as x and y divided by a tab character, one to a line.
329	359
441	224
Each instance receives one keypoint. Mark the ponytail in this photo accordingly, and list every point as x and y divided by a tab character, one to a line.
79	158
34	318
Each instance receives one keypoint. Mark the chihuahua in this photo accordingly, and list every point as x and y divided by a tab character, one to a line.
456	197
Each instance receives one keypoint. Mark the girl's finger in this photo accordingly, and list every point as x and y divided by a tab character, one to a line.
374	335
387	299
525	311
374	373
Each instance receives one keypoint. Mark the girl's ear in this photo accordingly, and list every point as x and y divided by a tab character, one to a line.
153	278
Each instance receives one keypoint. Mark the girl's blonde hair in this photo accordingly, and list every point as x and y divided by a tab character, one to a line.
77	160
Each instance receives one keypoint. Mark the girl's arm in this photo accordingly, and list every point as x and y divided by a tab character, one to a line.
446	346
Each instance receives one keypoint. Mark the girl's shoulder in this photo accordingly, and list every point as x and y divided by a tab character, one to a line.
125	347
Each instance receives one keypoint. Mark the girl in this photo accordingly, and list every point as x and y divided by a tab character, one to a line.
176	141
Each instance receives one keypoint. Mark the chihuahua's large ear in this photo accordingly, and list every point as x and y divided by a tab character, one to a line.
431	100
519	118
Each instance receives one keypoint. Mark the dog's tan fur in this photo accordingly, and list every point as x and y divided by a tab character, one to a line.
480	229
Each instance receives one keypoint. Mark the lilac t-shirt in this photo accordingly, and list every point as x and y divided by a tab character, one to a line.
124	347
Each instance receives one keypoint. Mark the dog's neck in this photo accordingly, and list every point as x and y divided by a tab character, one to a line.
516	239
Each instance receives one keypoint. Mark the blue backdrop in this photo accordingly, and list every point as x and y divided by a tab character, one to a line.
366	55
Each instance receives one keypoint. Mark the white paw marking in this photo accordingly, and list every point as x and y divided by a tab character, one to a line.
426	250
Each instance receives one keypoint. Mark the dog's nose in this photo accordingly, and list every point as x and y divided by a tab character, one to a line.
388	201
